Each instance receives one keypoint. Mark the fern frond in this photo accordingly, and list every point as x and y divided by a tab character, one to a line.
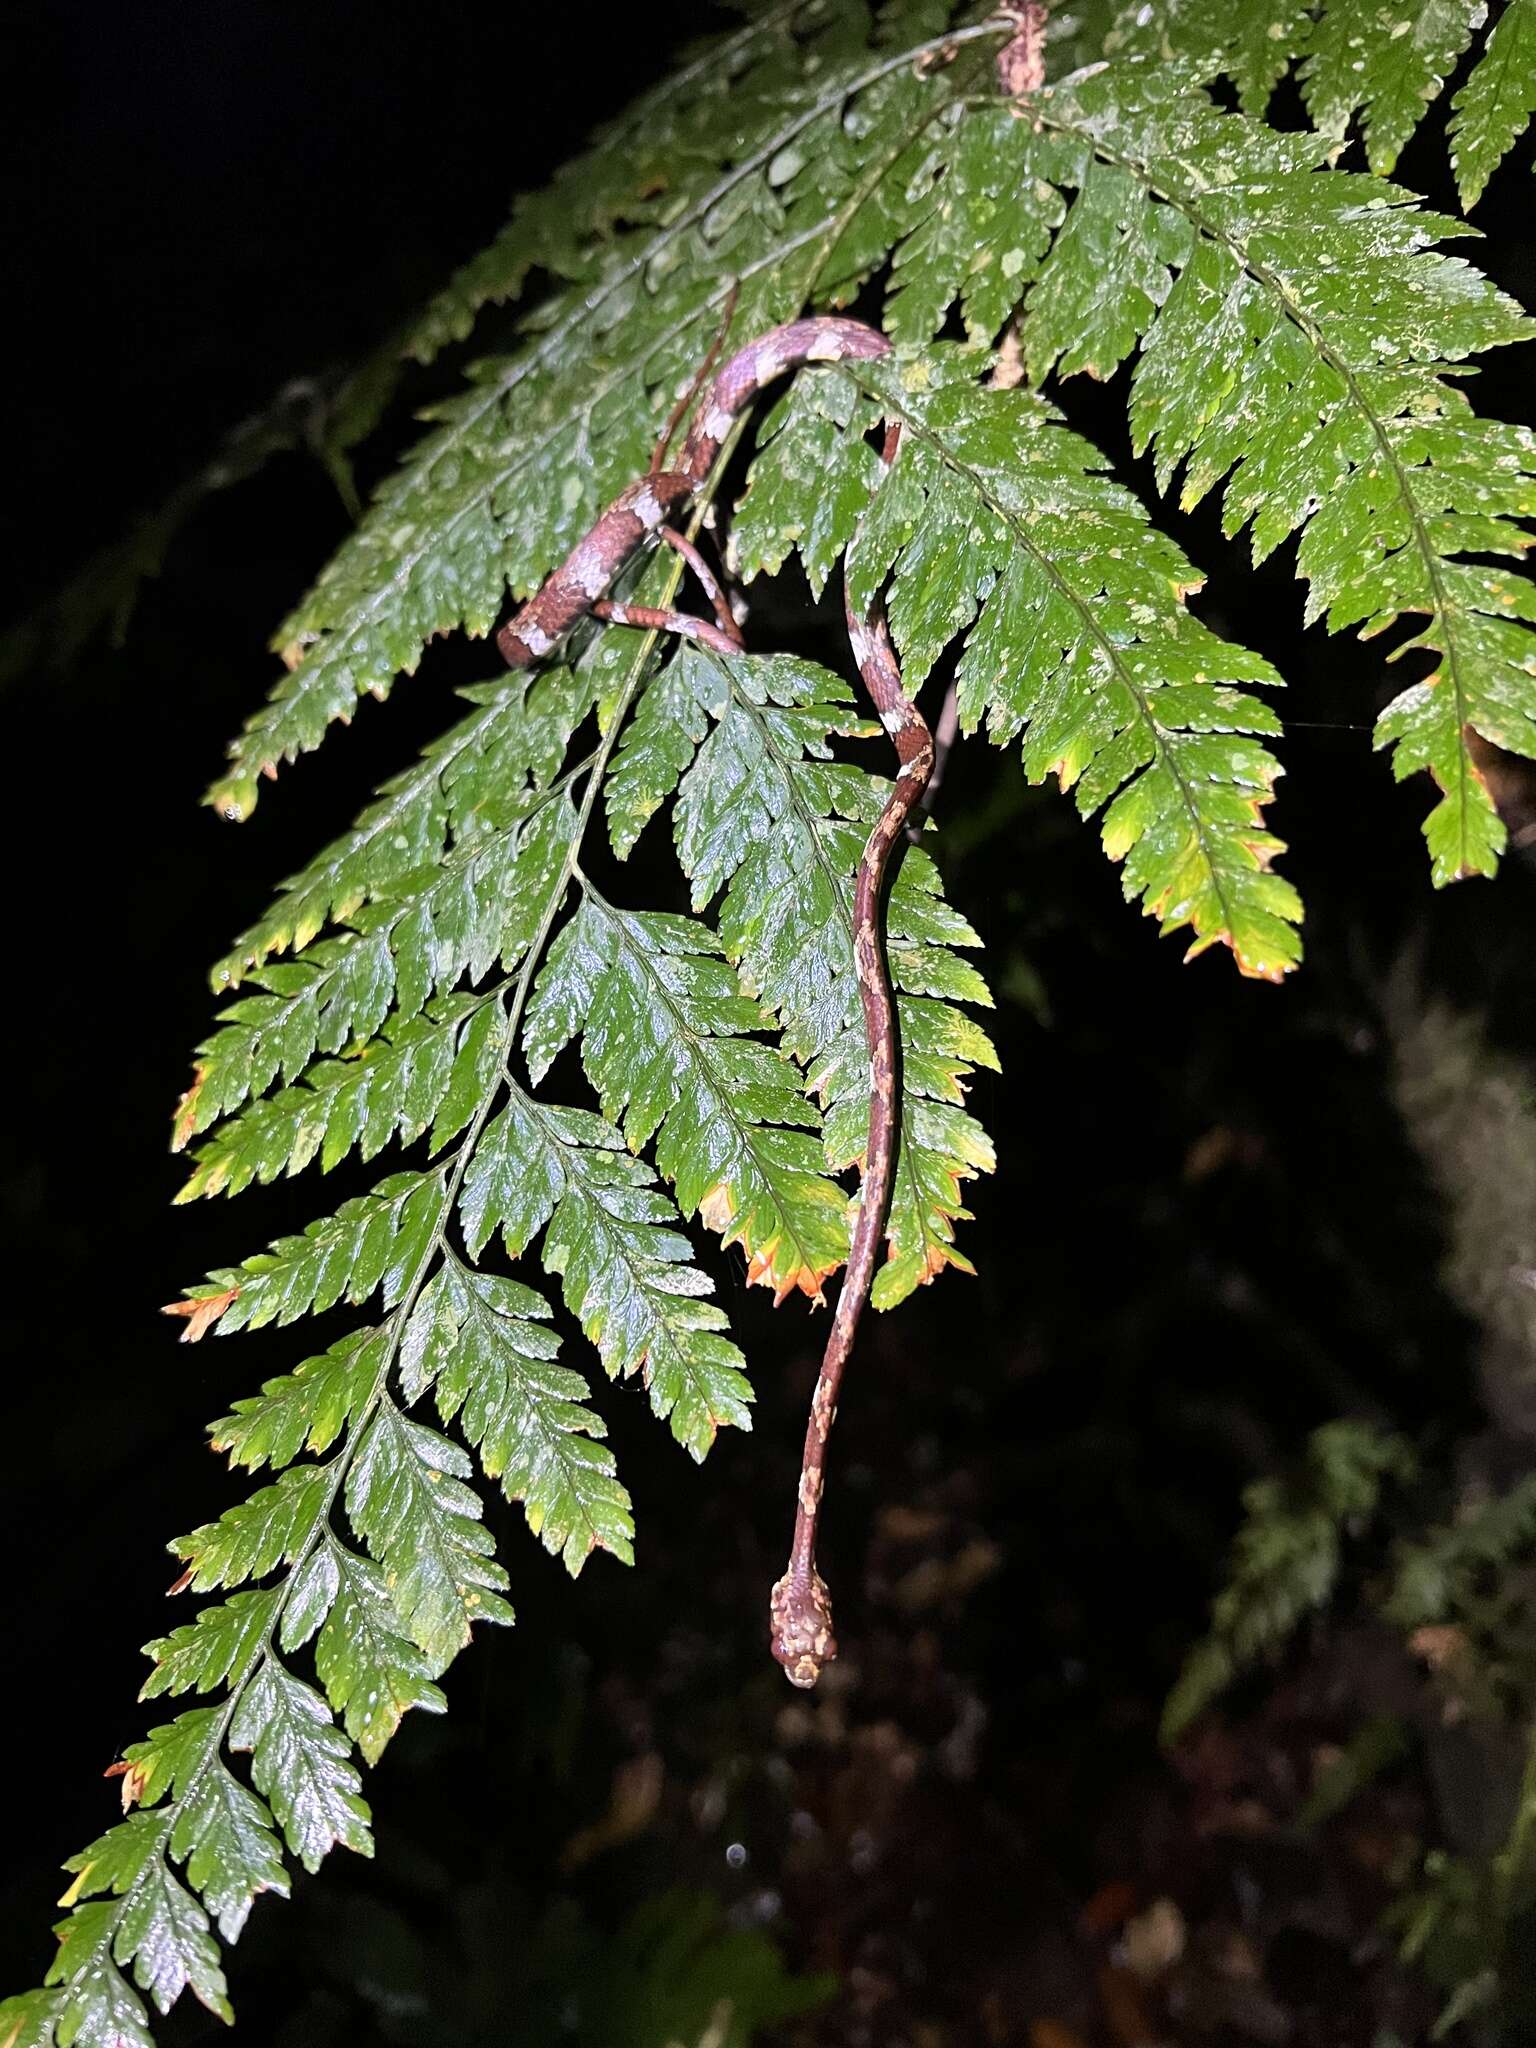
993	524
479	777
392	991
1286	1557
477	909
429	1071
301	1765
1252	42
381	1627
478	1341
406	1499
687	125
1495	105
610	1234
661	1019
806	189
307	1409
765	814
373	1241
1325	330
1438	1575
1383	63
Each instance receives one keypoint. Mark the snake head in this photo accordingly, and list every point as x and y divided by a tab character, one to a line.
800	1616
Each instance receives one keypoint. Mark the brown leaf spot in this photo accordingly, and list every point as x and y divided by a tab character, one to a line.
202	1311
185	1126
718	1207
134	1776
1509	781
1008	372
764	1267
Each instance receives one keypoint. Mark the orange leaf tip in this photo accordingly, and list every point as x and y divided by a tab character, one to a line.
202	1311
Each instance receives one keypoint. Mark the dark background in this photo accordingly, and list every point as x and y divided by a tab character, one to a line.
1209	1233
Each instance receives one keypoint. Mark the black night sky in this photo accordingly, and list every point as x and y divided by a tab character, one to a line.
1209	1233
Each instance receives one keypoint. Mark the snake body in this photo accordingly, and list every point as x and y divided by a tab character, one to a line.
800	1607
642	508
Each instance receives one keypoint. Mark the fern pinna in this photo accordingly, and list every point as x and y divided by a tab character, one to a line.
1297	340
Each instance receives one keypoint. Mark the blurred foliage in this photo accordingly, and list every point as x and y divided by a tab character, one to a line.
674	1974
1348	1534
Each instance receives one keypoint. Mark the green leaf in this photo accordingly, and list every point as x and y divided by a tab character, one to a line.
991	510
224	1834
1440	1576
1252	41
225	1639
116	1860
29	2018
1324	326
164	1933
479	909
159	1927
273	1527
99	2008
306	1409
677	127
763	809
473	780
300	1762
1493	109
375	1240
808	497
219	1829
1294	337
626	1272
1385	62
696	1977
407	1499
794	190
658	744
478	1340
428	1072
372	1675
661	1019
989	223
1286	1557
1083	648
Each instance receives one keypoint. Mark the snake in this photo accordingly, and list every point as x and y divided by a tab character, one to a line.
801	1635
